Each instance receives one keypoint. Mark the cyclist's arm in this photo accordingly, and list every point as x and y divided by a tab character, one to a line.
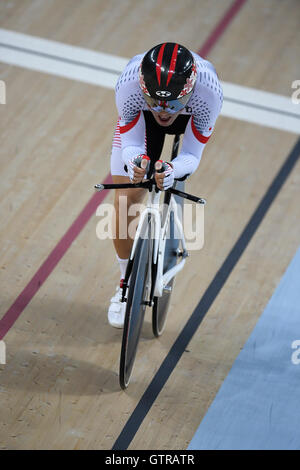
133	137
197	134
130	103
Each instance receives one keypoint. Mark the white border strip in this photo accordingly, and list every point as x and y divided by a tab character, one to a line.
97	68
59	59
261	107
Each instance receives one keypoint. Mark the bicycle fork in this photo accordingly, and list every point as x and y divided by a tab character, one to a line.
158	233
163	279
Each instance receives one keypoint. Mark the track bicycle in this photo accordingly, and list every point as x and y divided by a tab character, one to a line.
158	253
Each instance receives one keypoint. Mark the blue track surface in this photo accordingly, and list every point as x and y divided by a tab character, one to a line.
258	405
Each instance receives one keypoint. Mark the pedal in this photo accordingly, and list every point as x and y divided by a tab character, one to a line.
167	289
148	303
182	253
178	253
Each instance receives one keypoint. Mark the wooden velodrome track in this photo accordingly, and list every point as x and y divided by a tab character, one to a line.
59	387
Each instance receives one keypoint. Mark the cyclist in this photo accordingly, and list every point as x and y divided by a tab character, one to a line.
168	90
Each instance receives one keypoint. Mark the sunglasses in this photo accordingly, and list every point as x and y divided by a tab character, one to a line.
171	107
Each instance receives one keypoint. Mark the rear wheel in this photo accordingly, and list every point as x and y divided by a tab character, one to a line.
135	310
161	304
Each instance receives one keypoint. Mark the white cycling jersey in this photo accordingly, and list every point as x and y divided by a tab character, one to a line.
204	106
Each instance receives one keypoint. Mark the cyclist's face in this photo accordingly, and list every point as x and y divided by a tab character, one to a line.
163	118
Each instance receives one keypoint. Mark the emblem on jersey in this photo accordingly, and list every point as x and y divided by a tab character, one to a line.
190	82
163	94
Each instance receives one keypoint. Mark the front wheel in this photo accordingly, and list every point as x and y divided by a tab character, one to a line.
135	310
160	310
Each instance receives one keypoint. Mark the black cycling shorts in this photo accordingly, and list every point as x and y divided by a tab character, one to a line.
156	134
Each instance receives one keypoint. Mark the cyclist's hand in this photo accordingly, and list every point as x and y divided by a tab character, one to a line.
164	175
137	168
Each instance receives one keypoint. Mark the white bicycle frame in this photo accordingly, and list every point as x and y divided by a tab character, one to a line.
159	236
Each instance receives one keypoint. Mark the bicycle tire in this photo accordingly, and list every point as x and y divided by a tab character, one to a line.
161	304
135	310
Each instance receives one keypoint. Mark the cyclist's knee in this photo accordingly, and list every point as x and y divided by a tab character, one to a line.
128	197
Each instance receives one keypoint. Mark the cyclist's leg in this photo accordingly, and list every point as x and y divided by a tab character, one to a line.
124	199
122	243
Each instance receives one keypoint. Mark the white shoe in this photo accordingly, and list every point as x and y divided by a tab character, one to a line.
116	311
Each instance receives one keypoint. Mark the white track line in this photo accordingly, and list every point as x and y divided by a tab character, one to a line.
261	107
60	59
97	68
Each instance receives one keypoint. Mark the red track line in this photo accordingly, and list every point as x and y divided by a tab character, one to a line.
220	28
60	249
49	264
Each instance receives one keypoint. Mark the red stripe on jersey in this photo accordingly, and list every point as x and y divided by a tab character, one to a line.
117	138
129	126
198	135
159	62
172	64
117	131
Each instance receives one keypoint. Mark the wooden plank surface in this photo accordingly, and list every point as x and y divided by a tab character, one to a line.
59	388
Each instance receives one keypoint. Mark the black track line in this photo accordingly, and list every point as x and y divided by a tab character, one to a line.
190	328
